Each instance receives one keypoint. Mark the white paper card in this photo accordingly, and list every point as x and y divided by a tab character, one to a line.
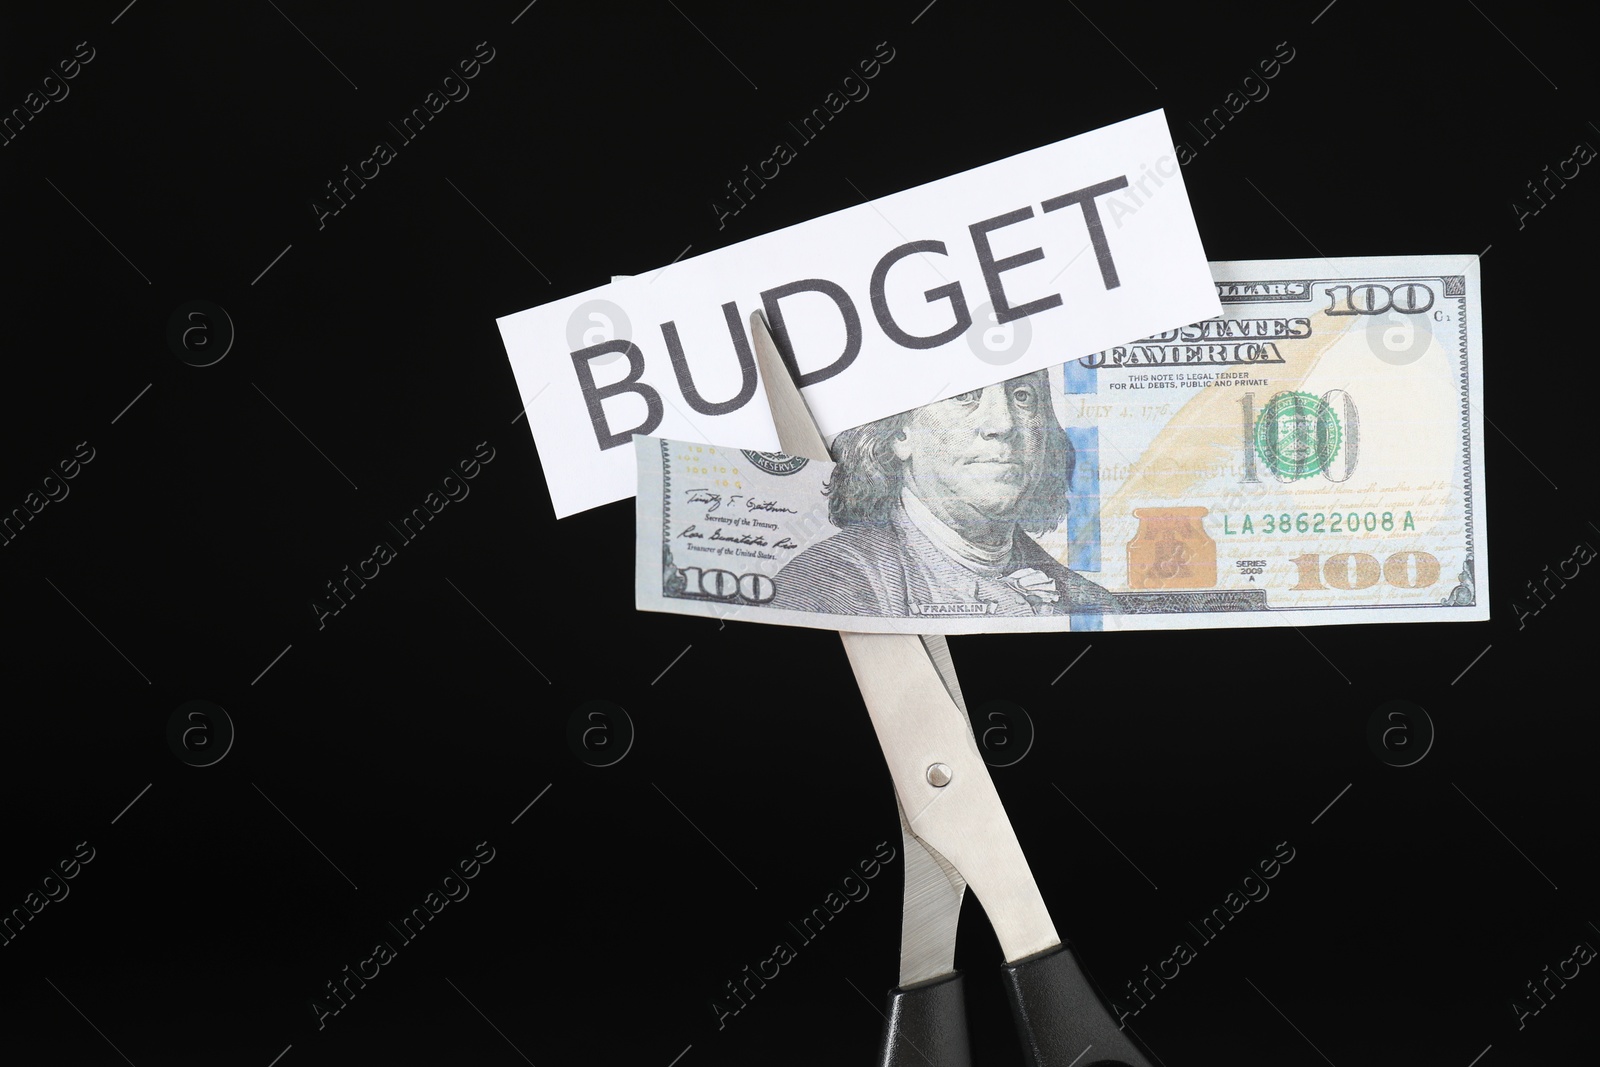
1000	270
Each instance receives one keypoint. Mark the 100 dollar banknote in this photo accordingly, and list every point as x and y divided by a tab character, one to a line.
1311	456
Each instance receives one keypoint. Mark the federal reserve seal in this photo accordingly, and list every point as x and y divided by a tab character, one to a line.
1297	435
776	462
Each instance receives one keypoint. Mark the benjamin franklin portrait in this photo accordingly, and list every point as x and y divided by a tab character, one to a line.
935	507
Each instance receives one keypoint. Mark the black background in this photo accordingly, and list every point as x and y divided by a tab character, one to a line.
428	714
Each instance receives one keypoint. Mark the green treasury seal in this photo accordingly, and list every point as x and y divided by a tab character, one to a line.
1297	435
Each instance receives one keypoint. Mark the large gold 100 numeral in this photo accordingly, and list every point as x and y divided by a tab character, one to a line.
1410	569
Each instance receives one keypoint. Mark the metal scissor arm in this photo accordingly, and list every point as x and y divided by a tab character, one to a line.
926	738
956	834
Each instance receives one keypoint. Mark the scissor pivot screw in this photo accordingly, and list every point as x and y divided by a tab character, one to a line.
939	775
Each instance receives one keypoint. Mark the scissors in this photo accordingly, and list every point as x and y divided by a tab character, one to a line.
956	835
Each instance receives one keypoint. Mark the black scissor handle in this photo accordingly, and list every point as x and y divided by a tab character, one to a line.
1060	1015
927	1025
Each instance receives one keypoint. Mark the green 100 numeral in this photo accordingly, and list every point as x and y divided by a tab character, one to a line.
1358	570
1345	461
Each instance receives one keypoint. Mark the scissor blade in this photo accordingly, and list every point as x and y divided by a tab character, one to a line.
797	430
911	692
921	730
933	888
939	651
931	910
798	435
